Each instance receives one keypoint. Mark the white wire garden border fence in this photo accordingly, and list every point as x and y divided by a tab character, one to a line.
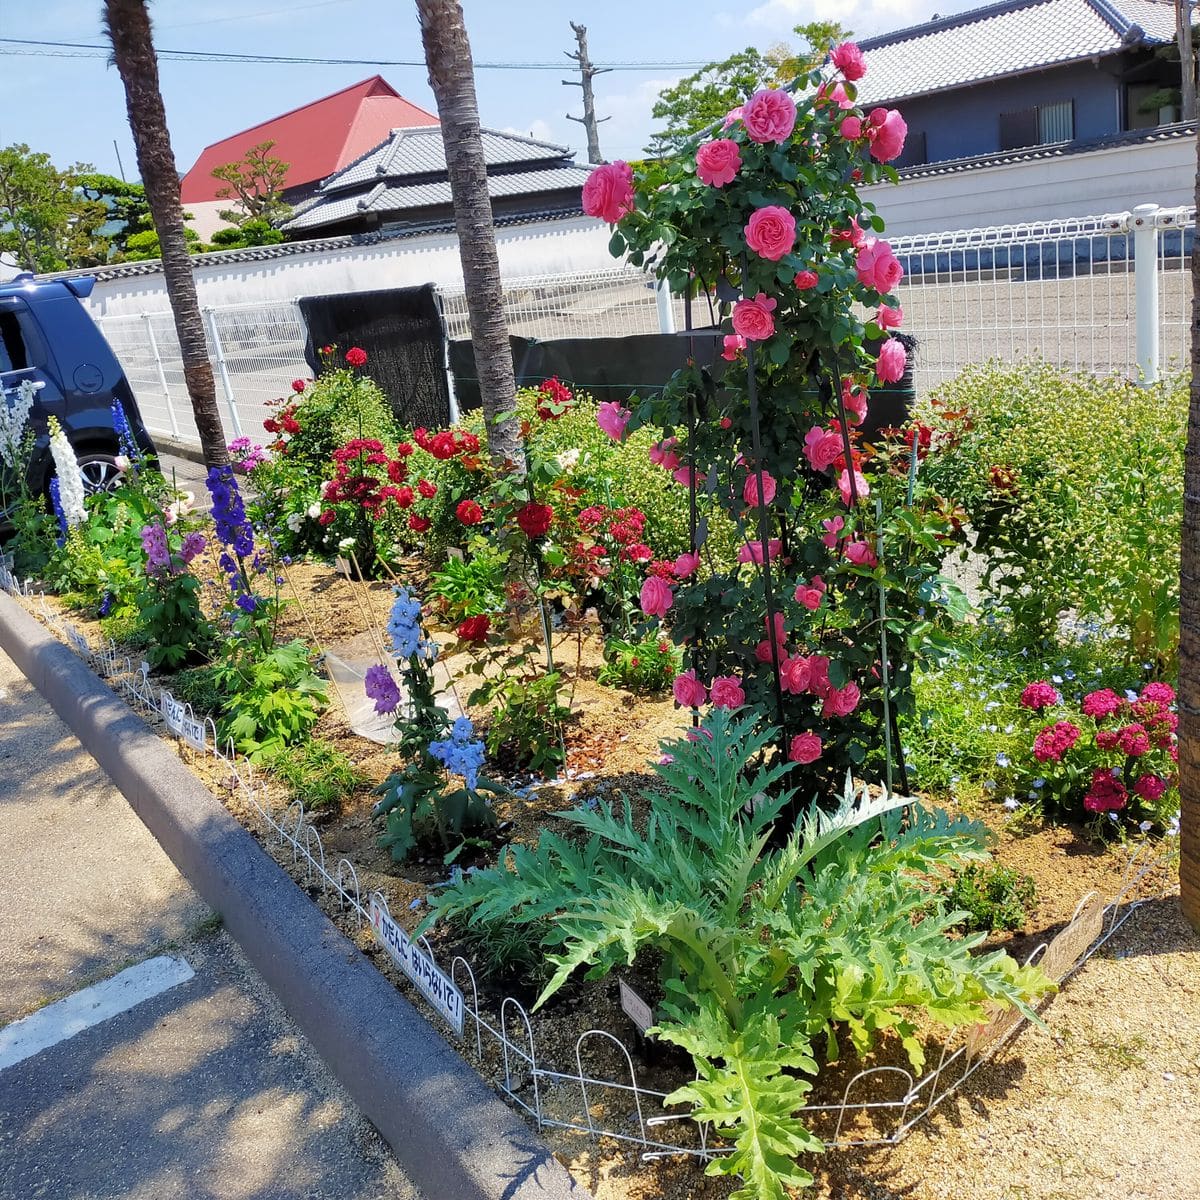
1109	293
555	1096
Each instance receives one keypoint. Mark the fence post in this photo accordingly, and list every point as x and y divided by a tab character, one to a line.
1145	281
162	375
223	370
666	308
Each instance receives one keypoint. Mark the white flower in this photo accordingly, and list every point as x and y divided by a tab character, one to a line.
1012	803
121	462
14	413
70	482
294	521
346	544
314	510
567	460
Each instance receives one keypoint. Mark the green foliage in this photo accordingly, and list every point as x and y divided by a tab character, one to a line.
255	183
767	952
648	664
274	698
527	717
171	620
339	405
316	773
471	585
992	897
144	244
508	955
253	232
419	805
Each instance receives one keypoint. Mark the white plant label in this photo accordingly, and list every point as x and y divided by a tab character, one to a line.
181	721
427	977
634	1007
78	642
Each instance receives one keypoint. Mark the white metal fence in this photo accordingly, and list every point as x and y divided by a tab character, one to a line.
1103	293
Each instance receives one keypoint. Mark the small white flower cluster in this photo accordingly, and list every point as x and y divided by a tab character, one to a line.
294	521
70	481
183	504
14	412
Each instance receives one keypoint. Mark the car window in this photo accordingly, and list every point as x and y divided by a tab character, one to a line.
14	354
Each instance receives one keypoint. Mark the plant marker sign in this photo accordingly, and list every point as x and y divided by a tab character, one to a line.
432	982
181	721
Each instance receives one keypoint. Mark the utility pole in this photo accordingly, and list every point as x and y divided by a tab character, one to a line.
586	71
1187	60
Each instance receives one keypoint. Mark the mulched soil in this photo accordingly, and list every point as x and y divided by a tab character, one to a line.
1105	1106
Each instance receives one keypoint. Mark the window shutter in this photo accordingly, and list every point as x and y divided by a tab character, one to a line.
1019	129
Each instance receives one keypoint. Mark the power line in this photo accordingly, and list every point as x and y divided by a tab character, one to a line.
27	46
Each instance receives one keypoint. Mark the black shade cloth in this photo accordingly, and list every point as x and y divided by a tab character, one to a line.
401	331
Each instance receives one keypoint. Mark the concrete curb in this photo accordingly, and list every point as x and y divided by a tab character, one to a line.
165	444
454	1137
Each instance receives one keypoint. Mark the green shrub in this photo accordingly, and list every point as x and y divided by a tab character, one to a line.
992	897
316	773
645	665
337	406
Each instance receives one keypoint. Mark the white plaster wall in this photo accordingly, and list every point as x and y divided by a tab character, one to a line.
547	248
1074	185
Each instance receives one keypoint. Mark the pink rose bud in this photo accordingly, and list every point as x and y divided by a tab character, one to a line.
851	128
806	280
734	344
888	317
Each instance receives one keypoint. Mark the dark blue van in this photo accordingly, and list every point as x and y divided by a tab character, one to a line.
47	336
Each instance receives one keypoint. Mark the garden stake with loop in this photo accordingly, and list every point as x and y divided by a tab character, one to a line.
364	610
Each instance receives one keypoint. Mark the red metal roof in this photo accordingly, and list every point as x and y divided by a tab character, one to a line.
316	139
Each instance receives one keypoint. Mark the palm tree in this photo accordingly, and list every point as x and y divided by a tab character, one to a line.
452	77
128	26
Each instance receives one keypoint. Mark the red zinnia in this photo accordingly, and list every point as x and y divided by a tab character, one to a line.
534	519
468	512
356	356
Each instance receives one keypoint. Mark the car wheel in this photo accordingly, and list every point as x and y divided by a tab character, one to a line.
100	473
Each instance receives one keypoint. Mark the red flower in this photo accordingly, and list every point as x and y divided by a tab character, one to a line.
418	524
327	517
404	449
468	512
356	356
427	489
1038	696
1106	794
534	519
298	386
554	399
474	629
1054	741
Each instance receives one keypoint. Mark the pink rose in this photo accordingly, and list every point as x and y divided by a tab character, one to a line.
750	489
887	134
833	529
806	280
841	702
861	487
780	631
752	317
726	692
794	673
834	94
854	235
656	596
877	267
662	454
685	564
771	232
608	192
687	476
751	552
890	364
888	317
848	59
612	418
861	554
854	400
734	344
851	129
818	676
809	594
769	116
763	652
805	748
822	447
718	162
689	692
732	117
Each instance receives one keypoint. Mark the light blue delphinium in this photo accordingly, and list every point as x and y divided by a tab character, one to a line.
461	752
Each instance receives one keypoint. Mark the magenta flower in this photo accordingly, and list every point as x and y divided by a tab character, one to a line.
1038	696
1100	704
656	597
382	688
613	418
805	748
688	691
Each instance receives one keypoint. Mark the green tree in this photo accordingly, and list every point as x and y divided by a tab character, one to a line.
256	231
255	183
817	38
127	214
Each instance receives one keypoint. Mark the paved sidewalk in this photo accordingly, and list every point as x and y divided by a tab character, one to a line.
206	1090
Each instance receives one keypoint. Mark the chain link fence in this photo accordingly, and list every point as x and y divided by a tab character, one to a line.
1063	290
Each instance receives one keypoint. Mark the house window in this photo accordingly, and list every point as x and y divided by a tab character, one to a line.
914	153
1038	126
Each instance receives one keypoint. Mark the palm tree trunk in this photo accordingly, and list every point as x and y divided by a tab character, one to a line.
1187	60
452	77
128	25
1189	626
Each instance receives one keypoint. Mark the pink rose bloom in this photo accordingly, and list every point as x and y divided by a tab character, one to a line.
1038	696
662	454
861	488
718	162
1162	693
726	692
687	476
809	594
685	564
780	632
656	596
734	344
769	116
841	702
689	692
763	652
608	192
752	317
732	117
848	59
794	673
818	676
771	232
887	135
1100	704
854	400
833	529
751	552
806	280
750	489
854	235
892	360
612	418
877	267
1107	793
851	128
822	448
888	317
1150	787
861	554
835	94
805	748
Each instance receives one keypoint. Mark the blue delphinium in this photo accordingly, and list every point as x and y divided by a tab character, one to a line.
124	433
404	628
461	753
235	533
56	501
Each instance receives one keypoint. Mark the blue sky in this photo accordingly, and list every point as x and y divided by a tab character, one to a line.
74	108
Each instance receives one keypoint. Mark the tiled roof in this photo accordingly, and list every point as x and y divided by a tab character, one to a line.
331	210
420	151
1006	39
